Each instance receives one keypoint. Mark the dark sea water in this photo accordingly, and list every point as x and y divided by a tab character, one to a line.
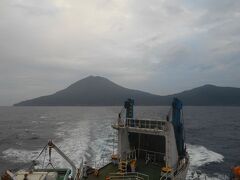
212	135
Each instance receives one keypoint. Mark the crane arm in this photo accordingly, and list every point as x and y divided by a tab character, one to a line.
74	169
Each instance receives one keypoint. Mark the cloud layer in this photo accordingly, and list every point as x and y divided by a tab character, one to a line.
159	46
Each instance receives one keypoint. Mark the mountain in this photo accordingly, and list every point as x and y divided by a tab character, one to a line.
210	95
99	91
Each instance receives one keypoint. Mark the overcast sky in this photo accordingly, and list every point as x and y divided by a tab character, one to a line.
159	46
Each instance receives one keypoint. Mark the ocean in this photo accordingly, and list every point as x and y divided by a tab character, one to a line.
212	135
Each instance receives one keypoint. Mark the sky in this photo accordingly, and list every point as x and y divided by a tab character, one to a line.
158	46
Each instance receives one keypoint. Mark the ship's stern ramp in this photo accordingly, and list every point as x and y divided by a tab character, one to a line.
148	147
152	140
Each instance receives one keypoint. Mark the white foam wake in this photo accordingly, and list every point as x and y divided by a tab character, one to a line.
17	155
200	156
74	145
76	142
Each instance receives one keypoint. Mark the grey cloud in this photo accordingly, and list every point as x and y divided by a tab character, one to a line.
157	46
35	7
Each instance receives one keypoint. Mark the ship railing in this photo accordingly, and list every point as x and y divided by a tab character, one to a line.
182	165
147	155
145	123
151	156
165	176
100	162
129	176
131	154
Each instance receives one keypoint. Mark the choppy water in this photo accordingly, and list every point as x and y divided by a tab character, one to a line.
213	134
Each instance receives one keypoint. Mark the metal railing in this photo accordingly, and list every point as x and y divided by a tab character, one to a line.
151	156
129	176
182	165
145	123
97	164
165	176
131	154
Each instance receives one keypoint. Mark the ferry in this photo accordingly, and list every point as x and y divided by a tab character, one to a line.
147	149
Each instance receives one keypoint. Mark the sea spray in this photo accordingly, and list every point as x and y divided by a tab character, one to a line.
200	156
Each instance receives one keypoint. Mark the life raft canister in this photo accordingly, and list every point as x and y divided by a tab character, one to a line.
236	171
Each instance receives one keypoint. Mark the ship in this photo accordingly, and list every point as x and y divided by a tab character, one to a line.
147	149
